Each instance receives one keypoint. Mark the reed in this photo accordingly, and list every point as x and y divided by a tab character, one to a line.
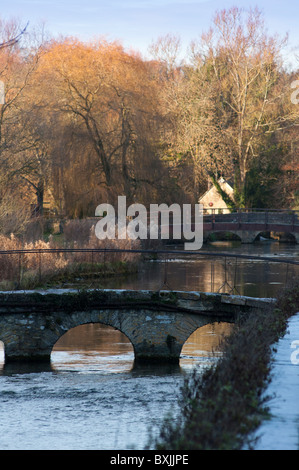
28	270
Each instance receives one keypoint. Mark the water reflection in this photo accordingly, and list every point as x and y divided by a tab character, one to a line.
93	347
96	347
253	278
204	344
1	354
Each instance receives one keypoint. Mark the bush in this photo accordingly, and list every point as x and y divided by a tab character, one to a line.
221	408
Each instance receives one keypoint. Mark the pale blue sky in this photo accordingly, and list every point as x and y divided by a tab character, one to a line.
137	23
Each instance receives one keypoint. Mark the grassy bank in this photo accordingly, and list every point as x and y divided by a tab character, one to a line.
70	274
222	407
40	269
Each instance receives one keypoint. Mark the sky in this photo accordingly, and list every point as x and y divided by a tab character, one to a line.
136	24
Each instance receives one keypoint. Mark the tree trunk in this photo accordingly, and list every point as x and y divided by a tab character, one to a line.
40	197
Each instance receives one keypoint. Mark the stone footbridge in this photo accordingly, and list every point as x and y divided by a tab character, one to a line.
157	323
248	224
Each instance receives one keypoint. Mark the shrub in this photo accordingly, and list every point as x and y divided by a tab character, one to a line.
221	408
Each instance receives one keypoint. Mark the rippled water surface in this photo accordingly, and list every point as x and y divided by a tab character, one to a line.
91	396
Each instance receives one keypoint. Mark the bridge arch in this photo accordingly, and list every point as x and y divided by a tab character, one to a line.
245	236
229	234
72	328
205	340
250	236
289	237
91	340
111	318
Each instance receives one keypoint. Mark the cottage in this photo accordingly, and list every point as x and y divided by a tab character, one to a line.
212	200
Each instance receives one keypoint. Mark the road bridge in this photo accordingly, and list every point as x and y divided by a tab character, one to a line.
247	224
157	323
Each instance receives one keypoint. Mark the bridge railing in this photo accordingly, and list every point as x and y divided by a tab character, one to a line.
258	216
238	217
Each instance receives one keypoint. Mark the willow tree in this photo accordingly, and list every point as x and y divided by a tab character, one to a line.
17	67
108	96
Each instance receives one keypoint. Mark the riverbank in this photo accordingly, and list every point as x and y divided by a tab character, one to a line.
47	263
222	408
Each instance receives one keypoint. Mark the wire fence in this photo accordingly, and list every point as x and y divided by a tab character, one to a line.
23	266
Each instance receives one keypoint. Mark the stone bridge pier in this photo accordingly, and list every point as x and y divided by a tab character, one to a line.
157	323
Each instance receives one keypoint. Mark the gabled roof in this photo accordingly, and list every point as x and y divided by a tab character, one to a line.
220	180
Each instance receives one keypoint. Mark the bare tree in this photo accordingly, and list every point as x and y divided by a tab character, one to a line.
14	40
233	98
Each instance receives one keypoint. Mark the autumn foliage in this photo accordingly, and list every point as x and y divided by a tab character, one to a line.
84	123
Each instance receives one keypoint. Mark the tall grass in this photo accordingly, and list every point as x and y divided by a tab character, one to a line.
27	269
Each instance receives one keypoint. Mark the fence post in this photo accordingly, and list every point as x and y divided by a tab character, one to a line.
20	270
39	265
293	220
213	219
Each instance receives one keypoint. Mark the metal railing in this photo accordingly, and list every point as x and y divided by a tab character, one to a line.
164	254
147	251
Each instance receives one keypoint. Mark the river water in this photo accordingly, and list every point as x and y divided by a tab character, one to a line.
91	396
